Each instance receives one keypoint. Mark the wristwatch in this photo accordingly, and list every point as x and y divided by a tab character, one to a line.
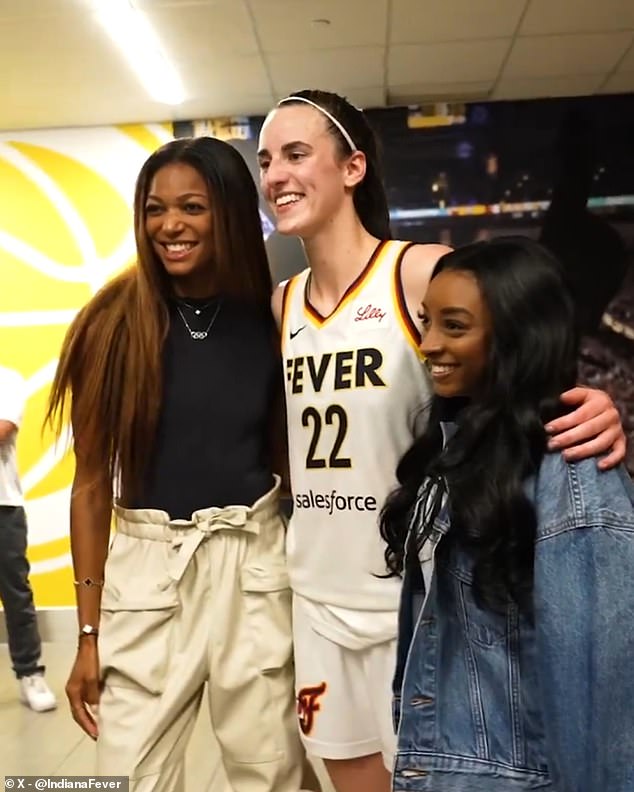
88	629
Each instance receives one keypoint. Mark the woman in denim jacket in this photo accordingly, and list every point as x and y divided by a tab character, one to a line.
516	635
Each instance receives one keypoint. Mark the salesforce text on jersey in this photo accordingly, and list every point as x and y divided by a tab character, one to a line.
333	501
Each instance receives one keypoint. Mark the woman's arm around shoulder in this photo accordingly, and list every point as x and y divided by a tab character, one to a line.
594	428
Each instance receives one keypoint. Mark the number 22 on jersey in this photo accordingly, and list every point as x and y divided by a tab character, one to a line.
350	368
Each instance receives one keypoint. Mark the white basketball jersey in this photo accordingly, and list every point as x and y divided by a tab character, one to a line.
355	386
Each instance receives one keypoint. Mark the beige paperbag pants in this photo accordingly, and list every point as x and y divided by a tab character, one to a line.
189	602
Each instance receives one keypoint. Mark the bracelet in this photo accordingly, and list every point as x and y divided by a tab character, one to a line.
89	582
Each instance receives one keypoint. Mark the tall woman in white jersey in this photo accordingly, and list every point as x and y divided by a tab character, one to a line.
355	389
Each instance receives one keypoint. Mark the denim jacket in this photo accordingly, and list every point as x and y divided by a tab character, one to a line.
488	702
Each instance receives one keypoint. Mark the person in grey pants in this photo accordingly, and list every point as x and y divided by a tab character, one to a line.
15	589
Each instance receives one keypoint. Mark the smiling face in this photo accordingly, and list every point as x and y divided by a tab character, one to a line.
179	225
456	333
303	177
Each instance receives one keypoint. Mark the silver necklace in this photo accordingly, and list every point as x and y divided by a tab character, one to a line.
199	335
197	309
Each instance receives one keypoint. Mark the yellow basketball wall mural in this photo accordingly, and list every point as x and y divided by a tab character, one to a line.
65	229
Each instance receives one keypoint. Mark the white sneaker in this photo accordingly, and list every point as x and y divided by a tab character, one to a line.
36	694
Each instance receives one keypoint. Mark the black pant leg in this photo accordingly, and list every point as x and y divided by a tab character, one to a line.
25	645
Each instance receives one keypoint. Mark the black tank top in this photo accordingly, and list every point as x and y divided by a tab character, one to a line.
212	440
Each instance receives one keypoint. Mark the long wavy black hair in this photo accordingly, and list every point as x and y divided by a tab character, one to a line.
500	437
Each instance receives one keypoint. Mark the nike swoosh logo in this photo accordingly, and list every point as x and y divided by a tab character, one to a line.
297	332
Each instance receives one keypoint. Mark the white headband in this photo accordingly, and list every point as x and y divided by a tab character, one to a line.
330	117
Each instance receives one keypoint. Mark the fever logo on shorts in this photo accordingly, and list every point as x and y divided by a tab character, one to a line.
308	705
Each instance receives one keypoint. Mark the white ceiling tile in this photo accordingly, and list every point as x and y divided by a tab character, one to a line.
542	56
151	4
415	21
577	16
366	97
420	93
45	64
30	8
211	75
223	29
331	70
621	82
461	61
544	87
627	64
20	38
290	26
236	104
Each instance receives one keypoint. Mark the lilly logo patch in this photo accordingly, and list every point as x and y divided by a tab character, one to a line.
369	315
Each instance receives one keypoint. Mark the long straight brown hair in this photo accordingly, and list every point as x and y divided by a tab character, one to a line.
110	366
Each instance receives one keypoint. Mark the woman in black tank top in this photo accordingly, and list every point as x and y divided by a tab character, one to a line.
174	379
